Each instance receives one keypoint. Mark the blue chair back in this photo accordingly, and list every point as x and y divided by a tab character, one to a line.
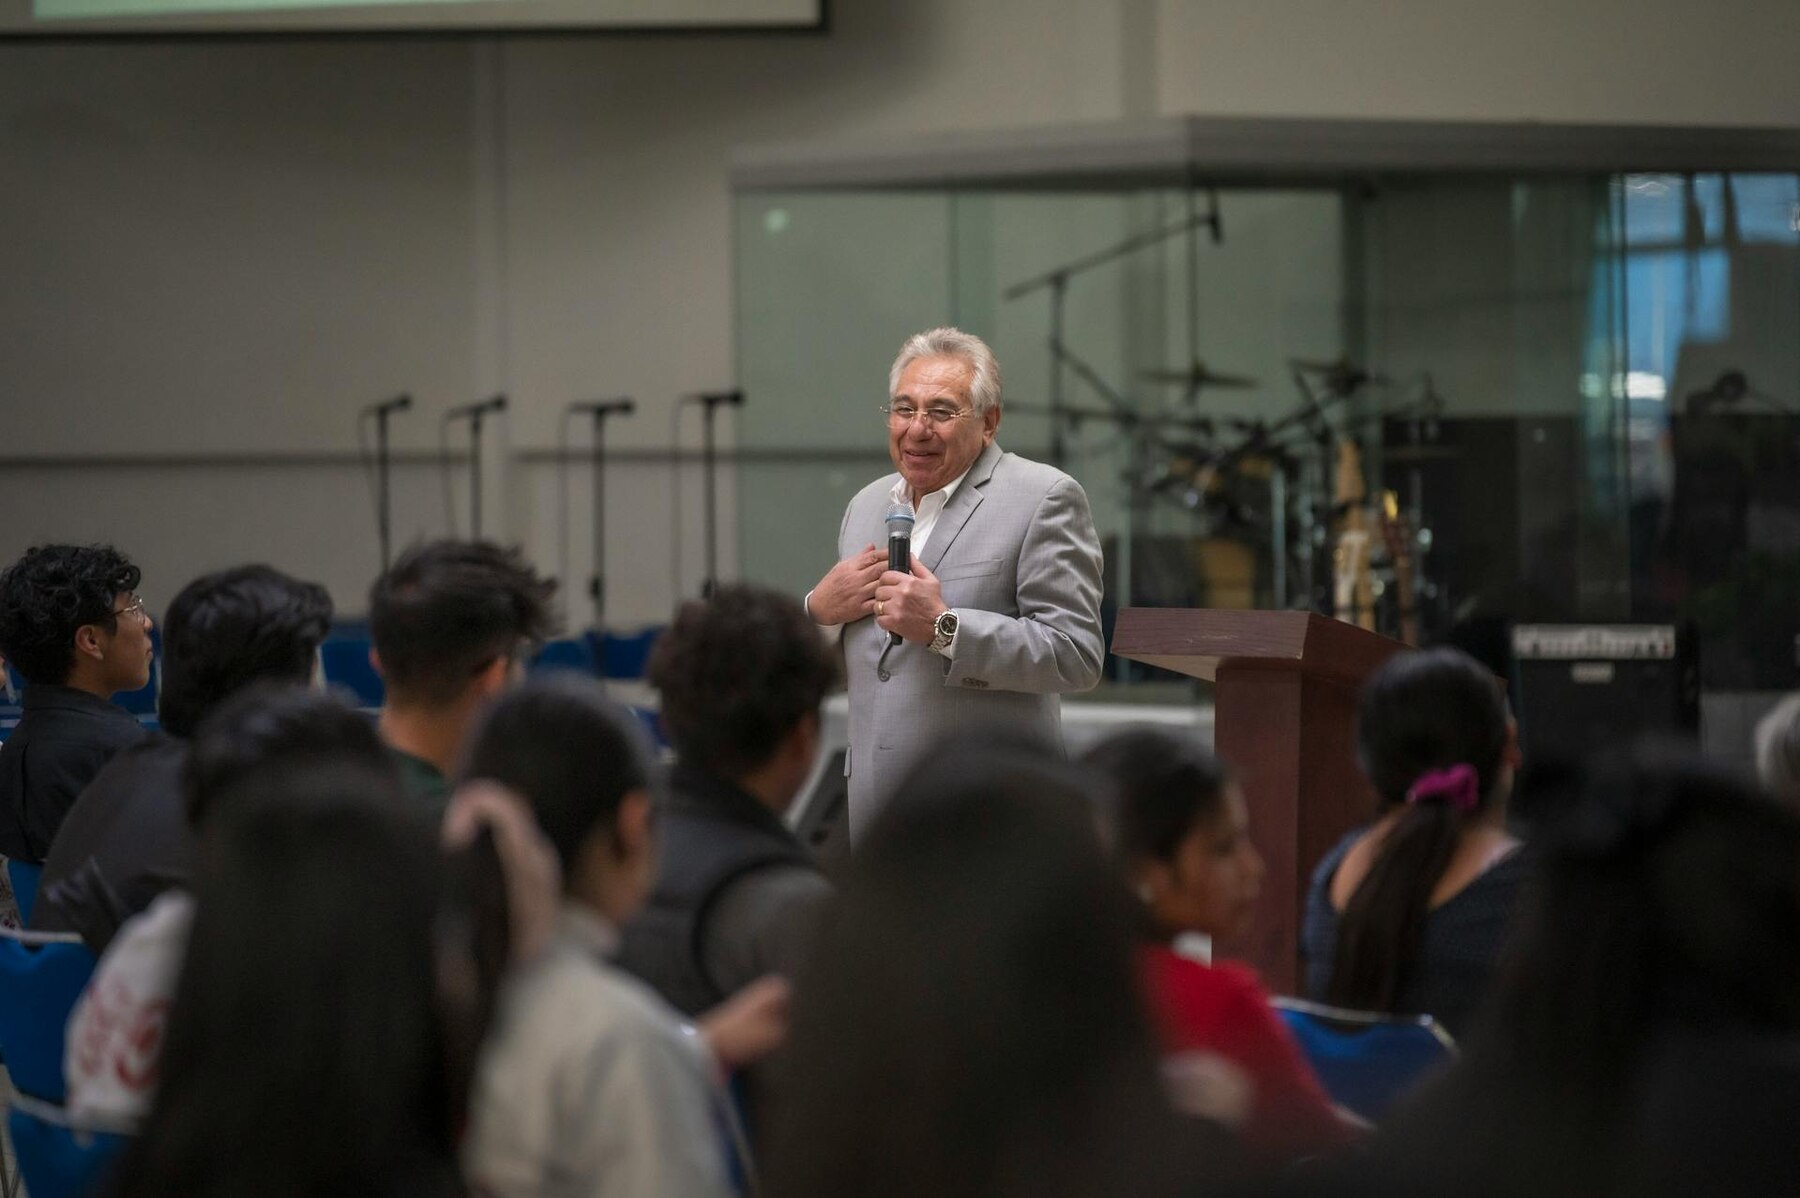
1367	1061
41	976
24	879
56	1160
624	655
346	662
569	653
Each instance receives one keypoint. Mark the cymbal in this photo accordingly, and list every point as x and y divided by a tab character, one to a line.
1197	376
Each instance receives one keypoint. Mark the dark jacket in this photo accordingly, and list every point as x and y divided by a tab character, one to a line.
124	842
62	740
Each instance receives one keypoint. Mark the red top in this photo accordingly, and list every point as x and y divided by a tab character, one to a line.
1223	1009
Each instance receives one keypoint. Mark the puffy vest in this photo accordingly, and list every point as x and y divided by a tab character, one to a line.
712	835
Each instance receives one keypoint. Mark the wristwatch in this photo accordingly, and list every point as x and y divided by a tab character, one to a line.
943	632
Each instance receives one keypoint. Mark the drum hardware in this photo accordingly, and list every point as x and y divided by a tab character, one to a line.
1198	376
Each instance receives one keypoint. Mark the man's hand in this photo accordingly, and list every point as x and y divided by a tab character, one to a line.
909	604
847	592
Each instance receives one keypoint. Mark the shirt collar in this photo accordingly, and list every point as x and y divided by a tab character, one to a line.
587	929
38	696
939	498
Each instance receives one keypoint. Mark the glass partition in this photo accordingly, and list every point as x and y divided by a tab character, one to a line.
1429	403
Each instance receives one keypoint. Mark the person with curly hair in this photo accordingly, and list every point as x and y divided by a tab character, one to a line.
126	840
74	628
737	897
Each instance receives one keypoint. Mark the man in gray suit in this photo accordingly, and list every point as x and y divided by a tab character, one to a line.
1001	611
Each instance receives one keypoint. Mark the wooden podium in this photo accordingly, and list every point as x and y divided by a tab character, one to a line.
1286	684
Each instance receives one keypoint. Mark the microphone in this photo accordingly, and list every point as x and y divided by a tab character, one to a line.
899	527
623	406
399	403
733	398
495	403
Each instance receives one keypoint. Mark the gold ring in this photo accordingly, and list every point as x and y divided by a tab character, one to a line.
880	610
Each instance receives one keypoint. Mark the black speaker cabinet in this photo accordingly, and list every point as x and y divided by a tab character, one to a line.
1581	687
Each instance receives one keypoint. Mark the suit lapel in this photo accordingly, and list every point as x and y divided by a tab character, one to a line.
962	505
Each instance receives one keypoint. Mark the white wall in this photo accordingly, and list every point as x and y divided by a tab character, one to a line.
1724	62
220	250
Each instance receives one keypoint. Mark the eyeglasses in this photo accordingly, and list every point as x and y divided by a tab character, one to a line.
134	608
899	415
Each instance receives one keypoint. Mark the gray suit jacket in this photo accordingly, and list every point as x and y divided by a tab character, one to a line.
1019	562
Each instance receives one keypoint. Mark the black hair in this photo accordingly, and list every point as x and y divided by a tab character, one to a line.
737	672
1421	711
971	1023
304	1046
447	609
1164	785
233	627
272	724
1663	896
49	593
569	751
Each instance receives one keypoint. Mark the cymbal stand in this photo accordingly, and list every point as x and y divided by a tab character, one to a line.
1057	281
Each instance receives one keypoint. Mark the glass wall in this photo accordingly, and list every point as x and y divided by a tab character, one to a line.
1543	399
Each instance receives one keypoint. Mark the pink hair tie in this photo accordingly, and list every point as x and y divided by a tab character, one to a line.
1459	785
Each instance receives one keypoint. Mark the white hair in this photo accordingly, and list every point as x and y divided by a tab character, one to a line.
1778	750
984	389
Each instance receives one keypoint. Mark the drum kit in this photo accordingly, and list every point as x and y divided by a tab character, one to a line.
1278	511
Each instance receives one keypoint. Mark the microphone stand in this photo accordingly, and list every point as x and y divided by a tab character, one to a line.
474	413
383	498
600	410
1057	281
710	403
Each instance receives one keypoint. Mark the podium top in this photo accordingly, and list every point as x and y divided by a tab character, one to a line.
1196	641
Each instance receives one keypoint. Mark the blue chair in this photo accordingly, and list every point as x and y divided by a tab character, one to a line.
624	655
1367	1061
24	878
41	976
570	653
346	662
57	1159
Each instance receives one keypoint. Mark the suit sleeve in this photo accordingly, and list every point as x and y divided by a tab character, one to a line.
1054	645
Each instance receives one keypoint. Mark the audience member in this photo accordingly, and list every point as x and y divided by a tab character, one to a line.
737	896
451	623
971	1023
73	627
126	839
1408	915
1180	830
1778	750
1648	1021
115	1033
306	1047
589	1083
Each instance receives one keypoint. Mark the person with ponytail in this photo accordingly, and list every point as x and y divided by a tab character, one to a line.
1407	915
